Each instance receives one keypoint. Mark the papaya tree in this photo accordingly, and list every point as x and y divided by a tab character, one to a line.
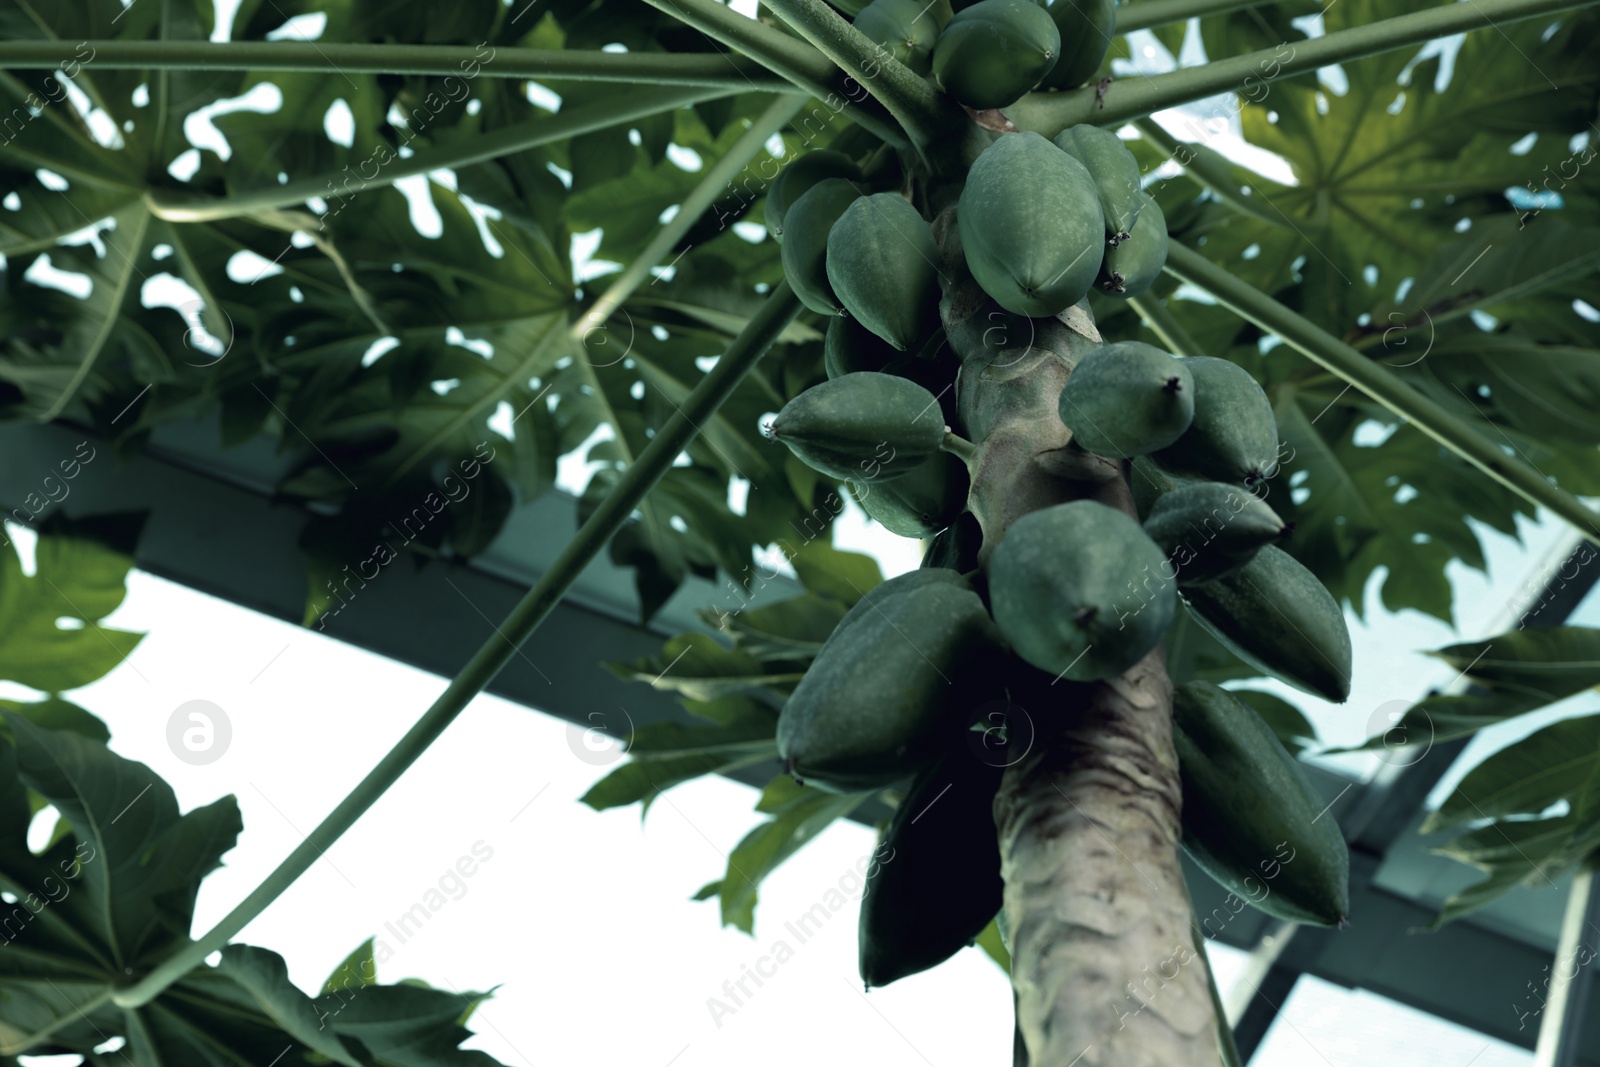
965	264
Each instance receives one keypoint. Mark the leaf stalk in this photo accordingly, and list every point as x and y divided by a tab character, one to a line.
1380	383
634	484
1133	98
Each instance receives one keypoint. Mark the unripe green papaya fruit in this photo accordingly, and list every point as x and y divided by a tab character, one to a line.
905	29
920	502
1031	225
796	179
1210	529
1114	170
936	883
880	265
805	252
1080	590
1274	614
956	546
1131	267
862	427
849	347
1127	399
888	689
994	51
1086	28
1234	436
1251	818
1149	482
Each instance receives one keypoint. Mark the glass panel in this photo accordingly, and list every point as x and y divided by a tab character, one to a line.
1325	1025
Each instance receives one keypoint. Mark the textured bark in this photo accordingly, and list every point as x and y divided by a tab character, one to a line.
1103	962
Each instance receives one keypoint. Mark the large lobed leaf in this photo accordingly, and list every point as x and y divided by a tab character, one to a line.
115	896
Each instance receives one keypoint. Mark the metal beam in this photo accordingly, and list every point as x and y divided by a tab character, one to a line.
213	530
1571	977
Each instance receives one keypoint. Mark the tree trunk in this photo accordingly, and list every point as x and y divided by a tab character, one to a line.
1102	960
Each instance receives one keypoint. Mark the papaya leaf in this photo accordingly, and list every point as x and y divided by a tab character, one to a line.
1543	665
1386	169
642	779
701	669
81	573
62	365
799	814
733	711
1500	259
1517	672
264	978
667	738
140	889
1540	389
115	896
53	713
358	968
1517	852
790	629
832	572
1526	777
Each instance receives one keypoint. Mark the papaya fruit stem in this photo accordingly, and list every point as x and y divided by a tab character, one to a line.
929	117
961	447
782	54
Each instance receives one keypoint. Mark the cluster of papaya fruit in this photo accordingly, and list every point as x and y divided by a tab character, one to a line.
987	53
1079	590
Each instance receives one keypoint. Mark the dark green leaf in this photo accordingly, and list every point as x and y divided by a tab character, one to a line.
800	813
844	576
1526	777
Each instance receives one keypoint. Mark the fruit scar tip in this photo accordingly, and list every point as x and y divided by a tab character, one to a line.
1173	384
